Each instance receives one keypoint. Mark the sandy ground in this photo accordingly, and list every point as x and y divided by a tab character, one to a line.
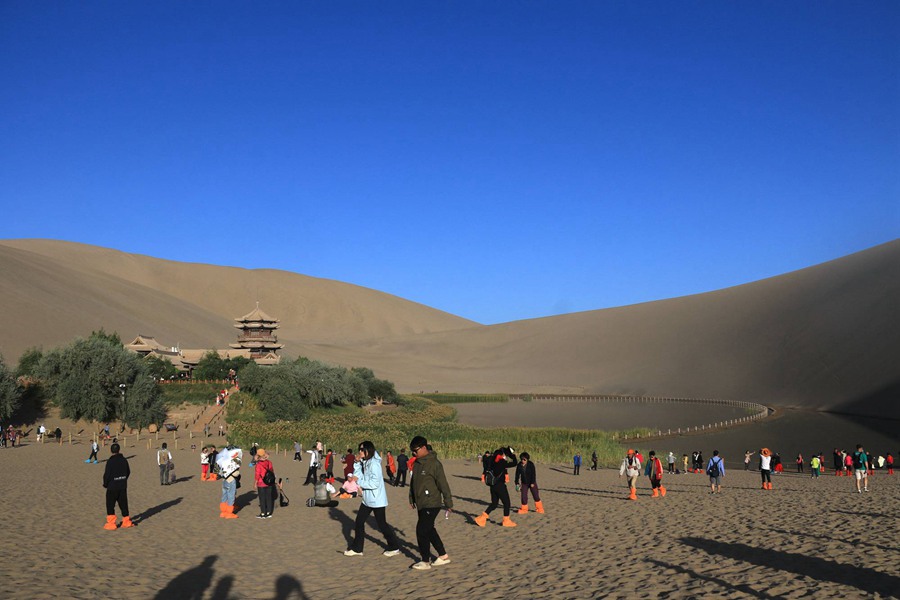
806	538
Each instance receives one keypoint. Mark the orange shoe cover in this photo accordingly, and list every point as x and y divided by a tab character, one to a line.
481	520
524	509
655	493
229	513
539	507
126	522
507	522
110	522
662	491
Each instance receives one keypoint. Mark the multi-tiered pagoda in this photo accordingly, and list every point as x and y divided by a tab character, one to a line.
258	336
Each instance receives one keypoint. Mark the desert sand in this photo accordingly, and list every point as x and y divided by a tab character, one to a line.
805	538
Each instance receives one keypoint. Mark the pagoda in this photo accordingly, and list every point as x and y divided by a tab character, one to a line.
258	336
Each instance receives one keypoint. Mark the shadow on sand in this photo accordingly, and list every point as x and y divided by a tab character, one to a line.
193	583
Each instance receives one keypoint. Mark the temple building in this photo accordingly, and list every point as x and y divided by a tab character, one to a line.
256	341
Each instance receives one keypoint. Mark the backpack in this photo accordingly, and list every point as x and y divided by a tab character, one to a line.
269	477
713	471
857	460
162	457
491	479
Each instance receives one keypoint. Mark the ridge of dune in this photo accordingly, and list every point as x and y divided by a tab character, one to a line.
826	337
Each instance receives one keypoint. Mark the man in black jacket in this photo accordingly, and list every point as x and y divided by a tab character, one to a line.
115	480
527	477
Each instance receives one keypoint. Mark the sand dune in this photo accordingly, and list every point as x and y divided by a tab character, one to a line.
826	337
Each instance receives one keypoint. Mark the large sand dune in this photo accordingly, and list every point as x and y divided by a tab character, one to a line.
826	337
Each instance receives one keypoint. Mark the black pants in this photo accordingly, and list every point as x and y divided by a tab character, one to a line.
311	475
359	536
117	496
93	455
577	469
766	475
427	536
400	479
499	494
266	499
297	456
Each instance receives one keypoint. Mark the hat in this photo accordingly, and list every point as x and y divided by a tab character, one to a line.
630	451
261	453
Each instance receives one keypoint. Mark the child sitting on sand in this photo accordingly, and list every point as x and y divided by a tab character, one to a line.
350	489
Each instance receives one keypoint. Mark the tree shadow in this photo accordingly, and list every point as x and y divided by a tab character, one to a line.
190	584
833	539
743	588
156	510
863	578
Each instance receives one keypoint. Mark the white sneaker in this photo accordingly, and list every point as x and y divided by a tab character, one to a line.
866	489
391	552
352	553
421	566
440	561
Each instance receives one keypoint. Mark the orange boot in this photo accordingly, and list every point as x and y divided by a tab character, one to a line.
770	485
507	522
633	494
662	491
212	477
655	493
481	520
126	522
110	522
202	476
539	507
524	509
229	512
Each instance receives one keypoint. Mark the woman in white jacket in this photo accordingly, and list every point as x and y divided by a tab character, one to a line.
631	467
367	472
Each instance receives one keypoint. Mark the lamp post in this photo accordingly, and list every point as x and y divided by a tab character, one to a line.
124	406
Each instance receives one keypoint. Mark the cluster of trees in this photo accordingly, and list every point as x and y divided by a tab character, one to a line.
97	379
213	366
288	391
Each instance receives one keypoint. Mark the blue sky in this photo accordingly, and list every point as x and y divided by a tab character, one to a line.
496	160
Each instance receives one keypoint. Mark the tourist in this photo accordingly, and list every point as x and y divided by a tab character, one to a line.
848	464
391	467
323	492
765	468
298	451
747	456
204	463
526	477
799	463
861	468
42	431
265	483
814	465
838	462
654	471
58	434
716	471
889	461
228	462
368	474
429	492
163	458
115	480
577	460
212	476
684	463
402	466
496	478
350	489
671	460
95	447
348	461
631	468
594	460
311	473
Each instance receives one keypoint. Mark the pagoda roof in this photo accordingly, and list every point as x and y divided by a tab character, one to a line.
147	343
257	324
249	344
256	315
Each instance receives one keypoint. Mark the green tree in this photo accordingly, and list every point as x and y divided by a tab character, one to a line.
86	380
10	392
278	390
160	367
377	389
113	338
213	366
28	362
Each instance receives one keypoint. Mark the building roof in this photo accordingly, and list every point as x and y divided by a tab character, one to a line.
256	316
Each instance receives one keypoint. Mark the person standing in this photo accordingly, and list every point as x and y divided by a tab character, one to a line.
58	434
889	461
348	461
577	463
329	464
429	492
747	456
265	483
765	468
298	451
861	468
163	458
115	480
814	465
799	463
204	463
402	467
311	474
368	474
654	471
496	478
715	468
671	460
594	460
391	467
95	447
228	462
631	468
526	477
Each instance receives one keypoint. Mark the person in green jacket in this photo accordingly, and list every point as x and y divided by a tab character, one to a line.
429	492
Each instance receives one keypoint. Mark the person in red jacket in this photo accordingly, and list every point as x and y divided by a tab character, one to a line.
348	461
654	471
889	461
391	467
266	491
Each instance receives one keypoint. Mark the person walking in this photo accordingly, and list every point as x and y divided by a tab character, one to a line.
765	468
368	474
298	451
311	474
594	460
163	459
631	467
95	447
402	468
654	471
429	492
228	462
391	467
115	480
496	478
265	484
715	468
577	460
526	479
861	468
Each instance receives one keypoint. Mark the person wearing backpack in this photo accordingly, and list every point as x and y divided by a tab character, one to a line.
654	471
631	467
265	484
715	468
495	478
163	458
861	468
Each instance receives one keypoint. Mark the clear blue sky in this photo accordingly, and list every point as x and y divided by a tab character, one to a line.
496	160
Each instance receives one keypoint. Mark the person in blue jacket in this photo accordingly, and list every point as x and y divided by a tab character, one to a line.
577	460
368	474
